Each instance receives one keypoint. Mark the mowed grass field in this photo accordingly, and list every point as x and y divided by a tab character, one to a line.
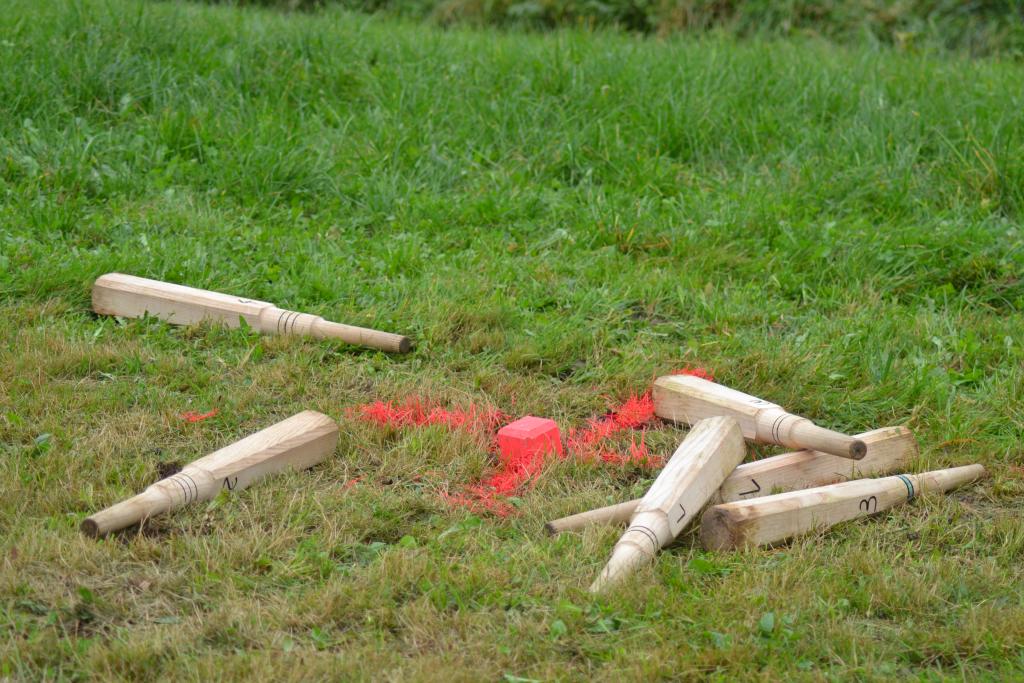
556	219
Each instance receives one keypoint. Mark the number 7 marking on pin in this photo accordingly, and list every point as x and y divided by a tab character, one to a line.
683	513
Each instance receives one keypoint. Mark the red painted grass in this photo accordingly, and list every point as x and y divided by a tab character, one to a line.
593	442
703	373
589	443
416	412
193	416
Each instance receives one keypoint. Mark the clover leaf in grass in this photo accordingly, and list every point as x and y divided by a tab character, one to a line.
558	629
767	623
41	444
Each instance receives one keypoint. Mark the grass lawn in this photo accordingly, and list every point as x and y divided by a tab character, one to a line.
556	219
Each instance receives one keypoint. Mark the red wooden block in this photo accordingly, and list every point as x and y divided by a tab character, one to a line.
528	437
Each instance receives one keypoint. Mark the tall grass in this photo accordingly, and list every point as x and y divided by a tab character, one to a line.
978	28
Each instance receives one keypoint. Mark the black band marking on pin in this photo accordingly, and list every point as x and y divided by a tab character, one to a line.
283	320
649	533
192	482
777	427
184	491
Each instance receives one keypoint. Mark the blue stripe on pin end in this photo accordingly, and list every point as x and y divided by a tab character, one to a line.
909	484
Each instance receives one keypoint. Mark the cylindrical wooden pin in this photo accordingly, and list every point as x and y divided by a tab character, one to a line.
774	519
889	449
133	297
300	441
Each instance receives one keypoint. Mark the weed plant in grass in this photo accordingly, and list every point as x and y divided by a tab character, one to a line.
556	219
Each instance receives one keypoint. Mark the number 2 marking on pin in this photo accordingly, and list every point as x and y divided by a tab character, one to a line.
230	484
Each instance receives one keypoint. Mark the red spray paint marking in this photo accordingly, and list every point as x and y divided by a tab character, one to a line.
487	495
637	412
193	416
703	373
525	447
521	468
493	493
591	442
414	412
588	443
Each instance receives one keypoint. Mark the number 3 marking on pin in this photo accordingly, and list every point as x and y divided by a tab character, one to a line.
865	504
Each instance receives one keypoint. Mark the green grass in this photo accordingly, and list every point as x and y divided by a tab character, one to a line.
978	27
555	219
